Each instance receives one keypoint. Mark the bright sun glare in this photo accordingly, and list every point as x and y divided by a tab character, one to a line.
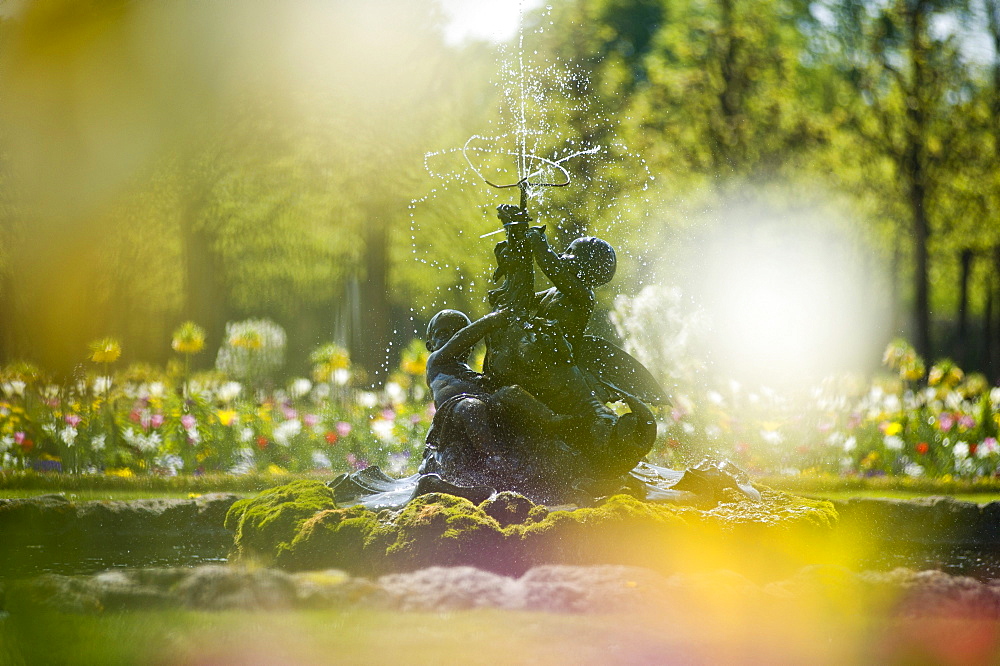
790	304
492	20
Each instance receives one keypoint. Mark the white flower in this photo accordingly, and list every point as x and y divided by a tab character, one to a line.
299	387
913	469
152	441
772	437
244	463
321	461
995	396
397	463
228	391
68	435
850	444
893	442
102	384
14	387
961	450
714	397
50	391
892	403
284	431
367	399
156	390
320	392
171	463
6	443
246	434
835	438
953	401
986	447
713	431
382	429
97	443
341	376
687	428
395	393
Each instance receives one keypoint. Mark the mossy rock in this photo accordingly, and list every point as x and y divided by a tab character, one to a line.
442	530
267	523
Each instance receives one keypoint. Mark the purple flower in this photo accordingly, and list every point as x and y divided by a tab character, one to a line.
288	412
343	428
188	421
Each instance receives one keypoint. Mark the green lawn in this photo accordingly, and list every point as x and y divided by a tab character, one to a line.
688	633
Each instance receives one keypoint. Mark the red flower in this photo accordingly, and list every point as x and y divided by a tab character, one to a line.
972	448
27	445
331	437
673	443
922	448
262	442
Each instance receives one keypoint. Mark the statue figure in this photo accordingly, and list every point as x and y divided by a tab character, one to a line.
477	427
536	420
541	347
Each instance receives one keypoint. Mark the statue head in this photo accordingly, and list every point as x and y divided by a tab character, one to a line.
594	259
443	326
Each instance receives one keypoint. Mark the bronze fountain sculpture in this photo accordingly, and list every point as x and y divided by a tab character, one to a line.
536	420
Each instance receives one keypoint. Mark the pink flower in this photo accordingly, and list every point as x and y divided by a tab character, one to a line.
343	428
19	438
945	421
188	421
288	412
310	420
72	419
966	422
156	420
414	419
388	415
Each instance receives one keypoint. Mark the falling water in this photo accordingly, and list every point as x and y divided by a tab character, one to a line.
531	149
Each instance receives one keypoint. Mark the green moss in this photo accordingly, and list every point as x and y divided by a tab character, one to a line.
443	530
266	524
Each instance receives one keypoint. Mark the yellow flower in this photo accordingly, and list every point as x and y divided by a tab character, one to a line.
226	416
194	495
188	339
105	350
123	472
893	429
247	340
327	360
274	469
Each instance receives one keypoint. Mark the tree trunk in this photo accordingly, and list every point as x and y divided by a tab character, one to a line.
205	301
372	349
962	343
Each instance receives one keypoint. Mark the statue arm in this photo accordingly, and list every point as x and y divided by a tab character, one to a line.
462	342
562	276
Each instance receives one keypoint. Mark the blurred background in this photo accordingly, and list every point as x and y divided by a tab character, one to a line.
812	178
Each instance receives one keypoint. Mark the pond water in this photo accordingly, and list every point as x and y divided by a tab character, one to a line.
975	561
35	560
